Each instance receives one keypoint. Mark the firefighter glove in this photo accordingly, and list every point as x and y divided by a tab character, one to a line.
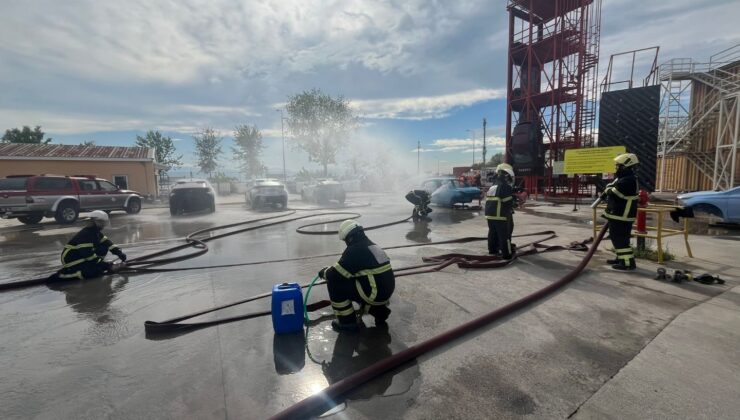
120	254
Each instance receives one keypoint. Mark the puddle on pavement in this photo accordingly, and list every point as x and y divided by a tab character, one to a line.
342	355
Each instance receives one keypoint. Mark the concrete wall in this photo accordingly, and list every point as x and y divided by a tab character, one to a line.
140	174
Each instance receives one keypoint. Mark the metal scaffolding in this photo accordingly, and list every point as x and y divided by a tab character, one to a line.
703	127
551	87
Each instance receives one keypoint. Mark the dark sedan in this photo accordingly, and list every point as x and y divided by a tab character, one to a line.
192	195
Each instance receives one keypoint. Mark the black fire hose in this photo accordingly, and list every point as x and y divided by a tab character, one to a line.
430	265
319	402
191	242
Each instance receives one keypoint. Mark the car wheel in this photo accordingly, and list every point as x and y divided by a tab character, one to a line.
284	203
212	208
303	195
256	203
67	212
134	206
173	211
31	219
341	197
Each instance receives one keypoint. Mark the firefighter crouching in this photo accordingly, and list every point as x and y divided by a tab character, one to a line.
83	256
364	275
499	212
621	210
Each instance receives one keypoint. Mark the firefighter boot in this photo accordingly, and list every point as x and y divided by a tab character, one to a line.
347	323
380	313
622	266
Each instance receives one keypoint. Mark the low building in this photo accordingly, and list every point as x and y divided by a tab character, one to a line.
131	168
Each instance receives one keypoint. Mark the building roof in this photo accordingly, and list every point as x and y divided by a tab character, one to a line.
22	151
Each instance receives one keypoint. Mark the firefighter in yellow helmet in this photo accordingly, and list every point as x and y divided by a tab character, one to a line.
621	210
499	212
363	274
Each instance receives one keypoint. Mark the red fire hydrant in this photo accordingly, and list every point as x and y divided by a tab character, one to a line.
642	202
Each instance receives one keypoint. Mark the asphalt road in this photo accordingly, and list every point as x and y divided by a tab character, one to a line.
79	350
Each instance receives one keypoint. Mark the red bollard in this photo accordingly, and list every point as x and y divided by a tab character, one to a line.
642	202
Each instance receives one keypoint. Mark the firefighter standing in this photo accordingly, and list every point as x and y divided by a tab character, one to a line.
621	210
363	274
83	256
499	209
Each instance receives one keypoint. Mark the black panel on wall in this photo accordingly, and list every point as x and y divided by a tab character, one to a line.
630	118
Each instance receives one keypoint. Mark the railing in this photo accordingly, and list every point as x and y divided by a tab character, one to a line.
657	232
725	56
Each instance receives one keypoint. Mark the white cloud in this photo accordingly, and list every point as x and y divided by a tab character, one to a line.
424	107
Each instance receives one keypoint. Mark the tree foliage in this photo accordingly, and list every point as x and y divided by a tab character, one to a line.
164	148
207	150
493	162
87	143
320	124
25	135
247	150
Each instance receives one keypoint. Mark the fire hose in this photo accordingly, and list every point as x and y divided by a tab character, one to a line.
431	265
319	402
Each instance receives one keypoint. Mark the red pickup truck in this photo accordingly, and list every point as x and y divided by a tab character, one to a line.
30	198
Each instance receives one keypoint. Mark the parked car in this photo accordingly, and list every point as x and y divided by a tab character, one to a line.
266	192
322	191
448	191
192	195
723	204
30	198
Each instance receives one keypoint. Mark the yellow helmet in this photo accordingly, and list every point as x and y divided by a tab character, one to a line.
626	159
505	167
347	227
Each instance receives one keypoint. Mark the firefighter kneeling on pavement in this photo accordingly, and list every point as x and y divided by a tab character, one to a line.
621	210
83	256
364	275
499	212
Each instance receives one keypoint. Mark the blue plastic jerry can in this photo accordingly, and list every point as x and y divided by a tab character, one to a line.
287	308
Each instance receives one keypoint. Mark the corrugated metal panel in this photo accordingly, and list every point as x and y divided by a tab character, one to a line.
73	151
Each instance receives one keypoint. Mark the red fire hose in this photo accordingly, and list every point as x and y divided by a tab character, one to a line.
320	402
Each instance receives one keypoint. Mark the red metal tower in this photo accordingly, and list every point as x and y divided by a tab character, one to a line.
551	87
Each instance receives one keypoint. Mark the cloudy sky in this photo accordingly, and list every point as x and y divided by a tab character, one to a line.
415	70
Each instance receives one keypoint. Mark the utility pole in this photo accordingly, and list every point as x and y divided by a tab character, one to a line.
483	167
418	157
472	134
282	131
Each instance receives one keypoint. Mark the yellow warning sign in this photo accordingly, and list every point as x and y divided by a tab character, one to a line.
594	160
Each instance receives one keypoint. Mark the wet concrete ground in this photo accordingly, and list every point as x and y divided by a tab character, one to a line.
79	350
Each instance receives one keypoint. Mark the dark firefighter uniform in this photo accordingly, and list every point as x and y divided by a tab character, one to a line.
499	213
83	256
621	210
363	274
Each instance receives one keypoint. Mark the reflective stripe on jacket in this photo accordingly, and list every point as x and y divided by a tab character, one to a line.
499	201
369	266
88	245
622	198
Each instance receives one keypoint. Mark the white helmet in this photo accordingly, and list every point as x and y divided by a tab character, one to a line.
505	167
100	218
347	227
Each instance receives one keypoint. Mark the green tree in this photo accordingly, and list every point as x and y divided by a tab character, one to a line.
87	143
164	148
207	150
25	135
247	150
495	160
320	124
